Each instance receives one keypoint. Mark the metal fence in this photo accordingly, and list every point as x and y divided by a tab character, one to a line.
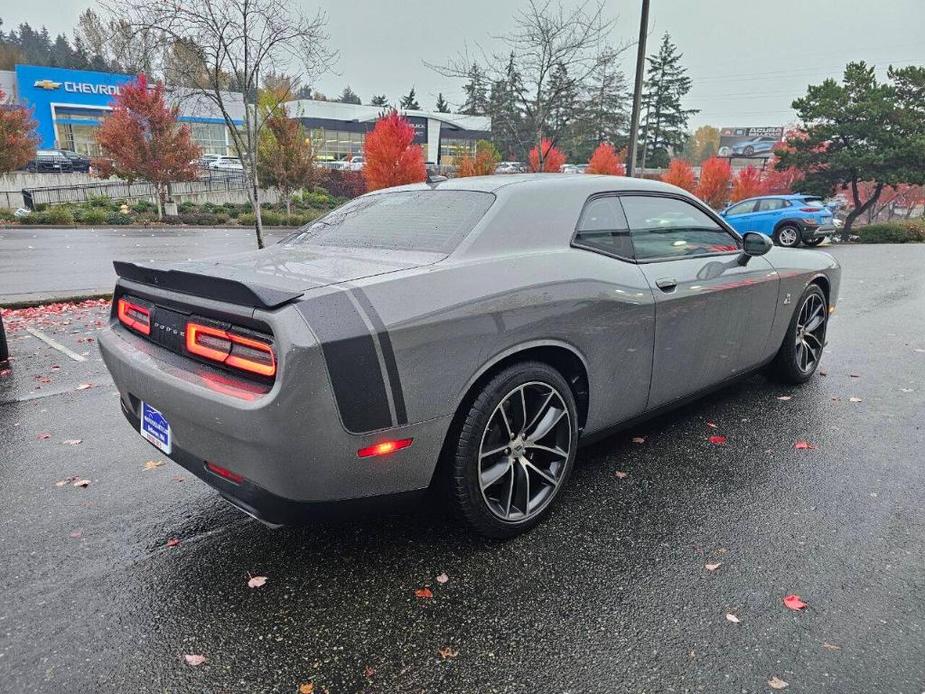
121	190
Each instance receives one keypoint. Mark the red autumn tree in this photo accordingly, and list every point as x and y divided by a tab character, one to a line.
605	160
141	139
391	157
680	174
17	136
715	175
748	183
553	158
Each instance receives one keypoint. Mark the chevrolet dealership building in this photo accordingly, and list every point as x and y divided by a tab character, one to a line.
68	106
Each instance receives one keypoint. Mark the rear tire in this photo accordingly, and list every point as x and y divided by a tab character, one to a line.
515	450
787	235
804	342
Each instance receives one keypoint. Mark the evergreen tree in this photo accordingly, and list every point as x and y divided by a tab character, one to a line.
603	111
442	105
348	96
476	91
508	130
409	102
665	123
379	100
563	108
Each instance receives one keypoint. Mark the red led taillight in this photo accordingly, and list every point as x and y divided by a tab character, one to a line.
384	448
134	316
230	348
225	473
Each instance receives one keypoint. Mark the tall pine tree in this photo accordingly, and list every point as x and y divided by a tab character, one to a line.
603	110
508	131
348	96
409	102
442	105
379	100
476	91
665	123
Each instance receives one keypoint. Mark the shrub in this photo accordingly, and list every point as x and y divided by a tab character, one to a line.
343	184
102	202
247	219
391	157
90	216
59	215
7	215
892	232
142	206
118	218
715	176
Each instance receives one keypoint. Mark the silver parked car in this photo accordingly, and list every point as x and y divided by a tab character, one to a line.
464	336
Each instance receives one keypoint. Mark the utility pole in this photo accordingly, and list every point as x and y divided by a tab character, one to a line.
637	90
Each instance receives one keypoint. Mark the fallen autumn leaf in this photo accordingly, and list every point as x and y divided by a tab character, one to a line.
620	475
732	618
639	439
718	440
712	425
442	578
712	567
804	446
71	442
172	542
306	688
785	397
830	646
256	581
447	653
81	483
855	400
777	683
153	464
44	435
425	593
194	660
84	386
794	602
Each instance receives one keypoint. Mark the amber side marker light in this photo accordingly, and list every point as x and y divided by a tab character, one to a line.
231	349
225	473
134	316
384	448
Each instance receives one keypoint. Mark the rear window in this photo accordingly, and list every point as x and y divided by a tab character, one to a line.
813	202
415	220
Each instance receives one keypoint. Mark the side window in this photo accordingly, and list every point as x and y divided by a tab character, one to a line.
771	204
671	228
741	208
602	227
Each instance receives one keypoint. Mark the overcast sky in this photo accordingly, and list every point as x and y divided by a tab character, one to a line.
748	58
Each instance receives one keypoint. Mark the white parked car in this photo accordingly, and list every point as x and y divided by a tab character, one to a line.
356	163
573	168
226	164
510	167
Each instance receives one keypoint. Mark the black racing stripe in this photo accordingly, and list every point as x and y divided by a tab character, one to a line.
388	354
353	364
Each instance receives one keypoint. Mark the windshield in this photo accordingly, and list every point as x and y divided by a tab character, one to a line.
415	220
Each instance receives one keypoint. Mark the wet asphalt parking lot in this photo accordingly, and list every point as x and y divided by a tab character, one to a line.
611	594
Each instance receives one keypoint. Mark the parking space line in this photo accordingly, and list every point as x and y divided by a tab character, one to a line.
55	344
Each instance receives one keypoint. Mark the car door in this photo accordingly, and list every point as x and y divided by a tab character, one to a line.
769	212
741	215
713	310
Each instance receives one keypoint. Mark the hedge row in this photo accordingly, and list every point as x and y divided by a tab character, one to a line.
893	232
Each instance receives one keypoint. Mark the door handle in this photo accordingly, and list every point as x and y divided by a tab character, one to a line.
666	284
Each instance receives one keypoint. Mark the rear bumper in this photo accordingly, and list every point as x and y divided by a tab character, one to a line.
818	232
287	442
276	510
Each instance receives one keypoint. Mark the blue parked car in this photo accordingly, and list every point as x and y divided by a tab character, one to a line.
788	219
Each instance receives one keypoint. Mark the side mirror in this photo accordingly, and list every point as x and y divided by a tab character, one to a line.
755	243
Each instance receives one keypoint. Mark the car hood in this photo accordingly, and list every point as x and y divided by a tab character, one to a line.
275	275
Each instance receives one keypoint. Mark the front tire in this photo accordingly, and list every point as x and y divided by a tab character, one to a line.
515	451
799	355
787	235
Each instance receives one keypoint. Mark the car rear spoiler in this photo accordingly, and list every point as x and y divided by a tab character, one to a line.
206	286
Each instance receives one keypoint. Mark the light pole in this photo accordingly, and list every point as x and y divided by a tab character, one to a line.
637	89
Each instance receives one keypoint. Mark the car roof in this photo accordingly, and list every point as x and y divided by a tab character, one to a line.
544	183
781	196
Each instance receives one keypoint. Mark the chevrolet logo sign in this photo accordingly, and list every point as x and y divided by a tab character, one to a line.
46	84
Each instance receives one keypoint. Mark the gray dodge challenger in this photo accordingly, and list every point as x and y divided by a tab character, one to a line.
462	336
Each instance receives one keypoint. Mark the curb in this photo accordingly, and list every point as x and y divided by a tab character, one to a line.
140	227
63	298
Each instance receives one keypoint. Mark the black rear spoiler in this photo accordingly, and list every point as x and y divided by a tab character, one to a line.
206	286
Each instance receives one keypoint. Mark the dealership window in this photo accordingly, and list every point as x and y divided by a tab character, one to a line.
336	144
210	136
452	148
79	138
